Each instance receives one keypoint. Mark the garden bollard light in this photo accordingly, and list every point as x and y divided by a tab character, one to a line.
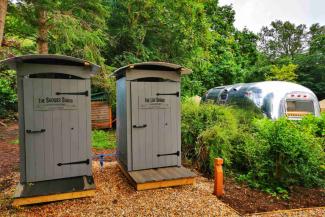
218	177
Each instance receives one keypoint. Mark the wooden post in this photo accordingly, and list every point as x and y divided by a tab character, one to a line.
218	177
3	12
42	38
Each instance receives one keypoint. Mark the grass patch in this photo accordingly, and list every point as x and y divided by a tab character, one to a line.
101	139
14	142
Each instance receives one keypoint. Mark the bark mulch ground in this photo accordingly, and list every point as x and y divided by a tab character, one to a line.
116	197
9	149
246	200
107	158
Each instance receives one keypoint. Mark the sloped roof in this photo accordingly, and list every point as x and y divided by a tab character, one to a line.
163	66
49	59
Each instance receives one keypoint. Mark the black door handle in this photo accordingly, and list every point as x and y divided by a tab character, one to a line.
76	162
176	94
141	126
74	93
176	153
36	131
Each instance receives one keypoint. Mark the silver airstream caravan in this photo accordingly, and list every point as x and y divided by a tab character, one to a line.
274	98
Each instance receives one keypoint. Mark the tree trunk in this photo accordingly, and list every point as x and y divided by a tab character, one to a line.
42	39
3	12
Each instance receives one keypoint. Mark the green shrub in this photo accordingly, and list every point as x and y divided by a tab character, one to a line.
215	141
196	118
267	154
103	139
210	131
282	153
8	96
314	125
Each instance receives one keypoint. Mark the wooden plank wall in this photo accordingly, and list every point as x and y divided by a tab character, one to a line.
101	115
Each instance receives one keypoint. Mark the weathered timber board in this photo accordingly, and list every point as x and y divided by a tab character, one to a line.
50	198
159	178
161	174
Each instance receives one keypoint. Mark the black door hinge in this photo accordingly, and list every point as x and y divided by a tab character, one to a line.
176	153
175	94
86	93
76	162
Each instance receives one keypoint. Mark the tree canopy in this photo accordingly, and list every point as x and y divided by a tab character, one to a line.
198	34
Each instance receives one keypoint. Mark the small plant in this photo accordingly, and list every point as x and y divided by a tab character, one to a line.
14	142
103	139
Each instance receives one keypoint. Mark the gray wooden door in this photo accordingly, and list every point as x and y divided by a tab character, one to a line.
57	128
155	124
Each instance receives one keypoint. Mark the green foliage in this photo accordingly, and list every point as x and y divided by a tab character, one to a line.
101	139
292	53
199	35
215	141
283	73
8	96
314	125
210	130
317	39
196	118
230	54
282	154
270	155
156	30
282	39
311	68
14	142
75	28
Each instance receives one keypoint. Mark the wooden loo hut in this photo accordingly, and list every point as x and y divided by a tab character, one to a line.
54	127
148	124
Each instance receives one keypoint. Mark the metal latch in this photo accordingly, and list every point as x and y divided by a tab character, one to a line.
86	93
36	131
176	153
176	94
76	162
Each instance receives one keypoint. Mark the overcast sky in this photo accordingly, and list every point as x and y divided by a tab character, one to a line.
257	13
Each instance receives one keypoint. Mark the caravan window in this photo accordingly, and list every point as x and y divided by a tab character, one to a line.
299	107
224	95
213	94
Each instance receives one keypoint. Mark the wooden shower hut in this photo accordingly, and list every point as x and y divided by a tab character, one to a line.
148	124
54	127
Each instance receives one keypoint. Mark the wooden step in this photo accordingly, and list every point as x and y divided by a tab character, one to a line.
159	178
